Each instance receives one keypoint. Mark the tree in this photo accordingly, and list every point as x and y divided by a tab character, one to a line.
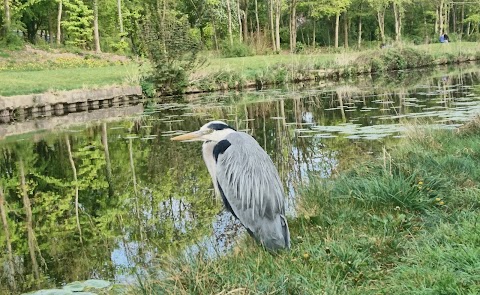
293	25
278	13
331	8
59	22
78	23
398	12
169	45
379	6
120	18
7	20
96	36
229	13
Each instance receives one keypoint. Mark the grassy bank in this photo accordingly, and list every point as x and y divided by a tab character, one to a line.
39	81
407	223
276	70
34	71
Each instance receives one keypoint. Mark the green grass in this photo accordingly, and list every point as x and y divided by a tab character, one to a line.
222	73
439	49
25	82
405	224
253	64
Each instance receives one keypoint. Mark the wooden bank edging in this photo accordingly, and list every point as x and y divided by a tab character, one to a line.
24	107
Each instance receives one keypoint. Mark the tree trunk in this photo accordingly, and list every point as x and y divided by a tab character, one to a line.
257	22
314	33
59	22
462	18
215	39
8	241
7	20
454	16
446	25
397	16
245	21
272	28
50	28
120	18
345	29
440	17
75	181
360	32
337	27
278	10
163	15
239	15
29	222
381	24
293	26
229	14
96	36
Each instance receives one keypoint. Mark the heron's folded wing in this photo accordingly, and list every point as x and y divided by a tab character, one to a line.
249	180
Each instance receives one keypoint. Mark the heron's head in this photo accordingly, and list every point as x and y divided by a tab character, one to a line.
212	131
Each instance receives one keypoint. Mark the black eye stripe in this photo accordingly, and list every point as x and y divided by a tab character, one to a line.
219	126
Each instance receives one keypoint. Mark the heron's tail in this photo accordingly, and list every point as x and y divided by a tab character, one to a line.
286	231
274	234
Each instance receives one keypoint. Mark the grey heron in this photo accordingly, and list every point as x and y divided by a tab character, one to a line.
246	179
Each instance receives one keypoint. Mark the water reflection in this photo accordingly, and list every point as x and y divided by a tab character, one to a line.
109	200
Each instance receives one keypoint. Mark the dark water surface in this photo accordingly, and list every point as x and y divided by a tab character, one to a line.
111	199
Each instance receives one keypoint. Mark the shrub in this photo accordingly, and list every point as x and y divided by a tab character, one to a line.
238	49
299	47
172	50
12	42
391	59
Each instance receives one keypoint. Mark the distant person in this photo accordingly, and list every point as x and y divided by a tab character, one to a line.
444	38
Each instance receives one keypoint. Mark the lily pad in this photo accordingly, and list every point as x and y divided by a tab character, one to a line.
98	284
74	287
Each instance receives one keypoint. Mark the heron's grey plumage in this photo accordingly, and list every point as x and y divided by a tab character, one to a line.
250	184
247	180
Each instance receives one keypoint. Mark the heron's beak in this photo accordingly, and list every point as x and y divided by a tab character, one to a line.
189	136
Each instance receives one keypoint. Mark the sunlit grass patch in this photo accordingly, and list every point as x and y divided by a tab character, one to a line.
444	260
26	82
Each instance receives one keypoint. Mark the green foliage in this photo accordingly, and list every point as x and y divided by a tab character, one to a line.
78	23
391	59
148	87
11	42
238	49
171	49
300	47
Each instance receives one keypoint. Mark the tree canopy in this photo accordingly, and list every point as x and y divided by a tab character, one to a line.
271	25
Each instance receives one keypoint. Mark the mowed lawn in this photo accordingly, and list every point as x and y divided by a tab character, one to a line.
25	82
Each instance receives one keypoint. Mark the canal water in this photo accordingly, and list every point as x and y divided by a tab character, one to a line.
111	199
